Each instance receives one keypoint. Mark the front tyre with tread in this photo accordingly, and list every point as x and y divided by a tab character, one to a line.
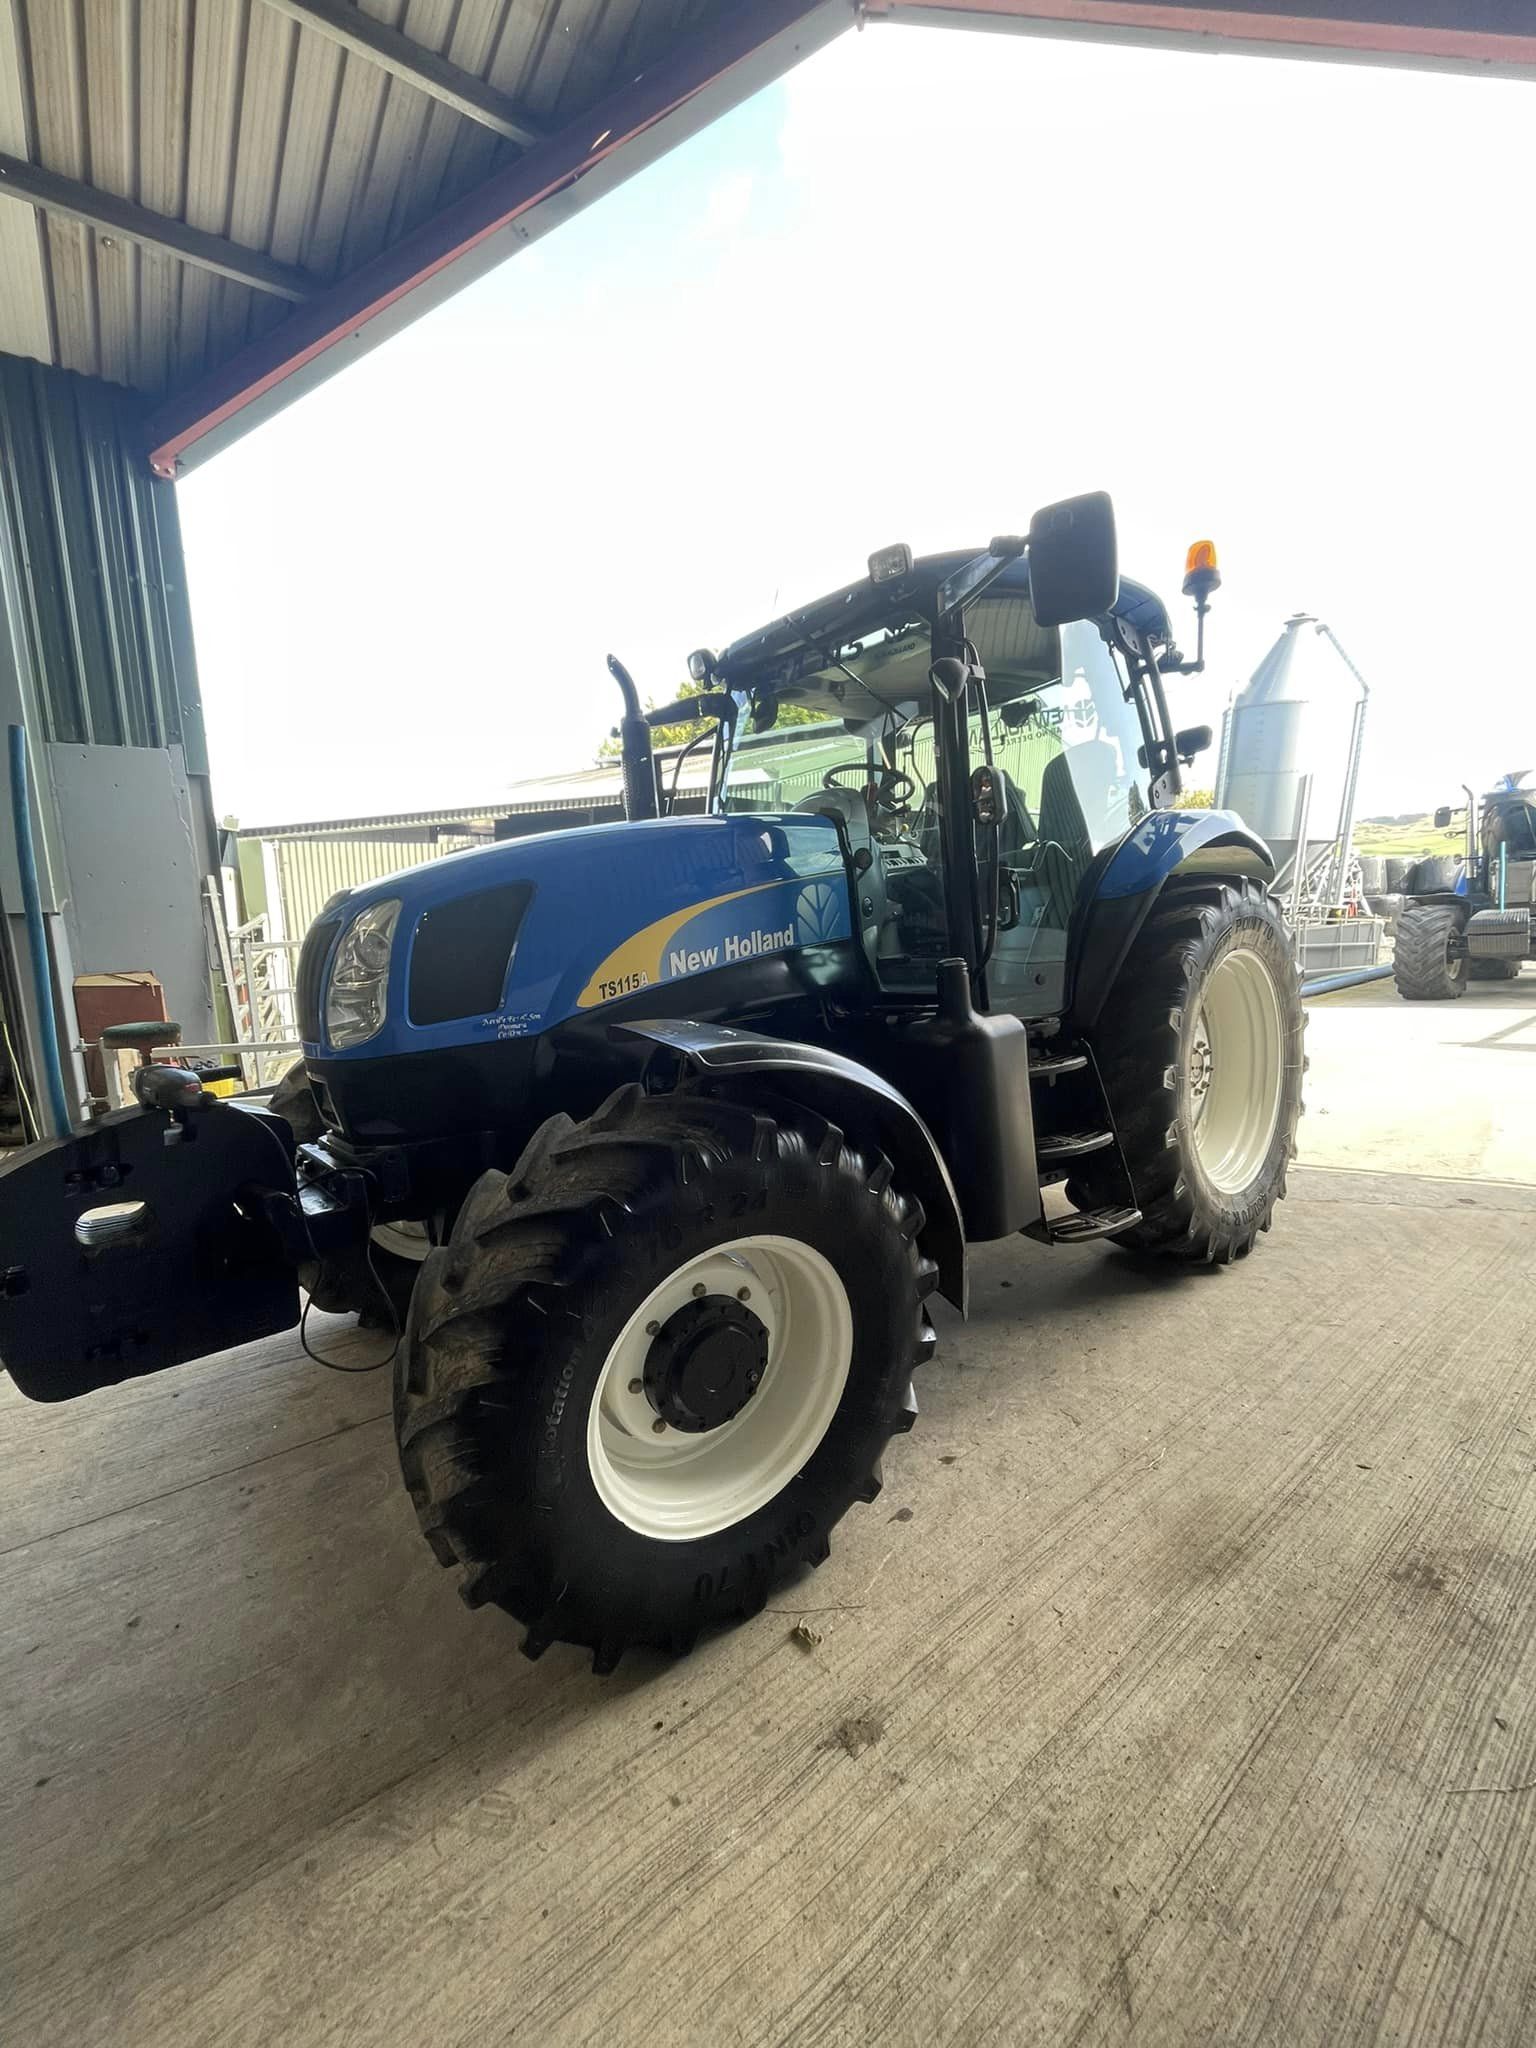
1201	1057
1423	964
517	1321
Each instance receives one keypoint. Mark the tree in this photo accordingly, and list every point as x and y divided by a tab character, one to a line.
682	730
1196	800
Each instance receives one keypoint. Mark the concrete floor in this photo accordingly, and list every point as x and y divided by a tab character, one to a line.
1180	1687
1447	1088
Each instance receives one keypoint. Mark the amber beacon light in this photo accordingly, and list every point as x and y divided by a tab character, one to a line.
1201	575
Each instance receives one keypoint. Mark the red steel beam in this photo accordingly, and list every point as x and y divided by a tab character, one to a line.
1474	34
755	40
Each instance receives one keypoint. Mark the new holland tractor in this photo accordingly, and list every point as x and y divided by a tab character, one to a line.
661	1136
1472	919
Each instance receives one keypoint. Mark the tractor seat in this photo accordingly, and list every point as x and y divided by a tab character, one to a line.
1064	848
141	1036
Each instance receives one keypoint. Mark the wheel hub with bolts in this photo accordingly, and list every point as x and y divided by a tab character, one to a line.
1200	1063
719	1387
1236	1070
706	1362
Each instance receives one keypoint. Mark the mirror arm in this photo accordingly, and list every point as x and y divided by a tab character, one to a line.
1172	663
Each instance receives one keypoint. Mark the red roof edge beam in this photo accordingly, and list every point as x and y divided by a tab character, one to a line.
754	43
1497	37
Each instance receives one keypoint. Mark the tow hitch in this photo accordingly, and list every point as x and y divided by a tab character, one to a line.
158	1235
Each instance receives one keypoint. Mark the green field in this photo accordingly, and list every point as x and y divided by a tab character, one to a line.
1412	838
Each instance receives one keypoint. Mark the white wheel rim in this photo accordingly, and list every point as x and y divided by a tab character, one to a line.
676	1485
405	1240
1236	1070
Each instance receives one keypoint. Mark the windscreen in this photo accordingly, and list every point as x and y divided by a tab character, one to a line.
1056	721
1053	698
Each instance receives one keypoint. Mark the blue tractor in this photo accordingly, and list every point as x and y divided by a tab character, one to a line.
1471	918
658	1137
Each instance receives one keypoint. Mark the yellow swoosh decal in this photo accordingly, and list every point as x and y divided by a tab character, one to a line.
637	962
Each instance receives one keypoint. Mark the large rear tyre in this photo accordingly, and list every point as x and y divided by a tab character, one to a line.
654	1367
1201	1057
1423	965
373	1284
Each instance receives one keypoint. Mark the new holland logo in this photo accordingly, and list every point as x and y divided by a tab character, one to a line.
772	917
745	946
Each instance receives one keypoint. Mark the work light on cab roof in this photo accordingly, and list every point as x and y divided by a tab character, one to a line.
889	565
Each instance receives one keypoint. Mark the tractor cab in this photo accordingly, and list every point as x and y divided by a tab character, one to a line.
1508	826
1048	767
991	726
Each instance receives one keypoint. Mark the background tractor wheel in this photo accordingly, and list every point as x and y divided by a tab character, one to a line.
1493	970
353	1282
1201	1058
654	1366
1423	966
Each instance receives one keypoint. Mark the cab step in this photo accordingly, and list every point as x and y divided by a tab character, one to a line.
1048	1066
1081	1225
1072	1144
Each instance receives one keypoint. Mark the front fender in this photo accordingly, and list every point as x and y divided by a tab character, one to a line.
852	1095
1164	844
1203	842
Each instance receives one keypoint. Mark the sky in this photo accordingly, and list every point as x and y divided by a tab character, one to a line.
929	281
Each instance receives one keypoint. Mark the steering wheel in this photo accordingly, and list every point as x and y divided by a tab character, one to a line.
893	787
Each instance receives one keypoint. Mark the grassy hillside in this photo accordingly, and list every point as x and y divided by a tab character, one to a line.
1410	837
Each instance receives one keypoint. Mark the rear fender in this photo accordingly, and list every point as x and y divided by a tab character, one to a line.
851	1095
1165	846
142	1243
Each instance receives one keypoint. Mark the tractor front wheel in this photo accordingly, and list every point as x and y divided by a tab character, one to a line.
1494	970
1201	1057
654	1366
1424	966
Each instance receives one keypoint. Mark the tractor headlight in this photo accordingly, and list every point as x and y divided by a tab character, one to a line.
356	997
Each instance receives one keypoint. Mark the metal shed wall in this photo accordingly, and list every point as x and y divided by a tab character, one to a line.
310	871
104	600
96	661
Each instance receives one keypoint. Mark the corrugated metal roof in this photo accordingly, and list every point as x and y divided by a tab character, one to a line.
258	123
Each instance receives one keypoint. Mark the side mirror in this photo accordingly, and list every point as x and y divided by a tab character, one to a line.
1187	742
1074	560
1442	817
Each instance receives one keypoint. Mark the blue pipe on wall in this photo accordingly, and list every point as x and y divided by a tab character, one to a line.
37	937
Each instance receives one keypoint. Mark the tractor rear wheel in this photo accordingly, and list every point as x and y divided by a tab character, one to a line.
654	1367
1493	970
1423	965
1201	1057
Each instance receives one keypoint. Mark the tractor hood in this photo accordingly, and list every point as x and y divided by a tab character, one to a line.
506	941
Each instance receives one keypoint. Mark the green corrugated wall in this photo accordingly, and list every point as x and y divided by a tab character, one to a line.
103	600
